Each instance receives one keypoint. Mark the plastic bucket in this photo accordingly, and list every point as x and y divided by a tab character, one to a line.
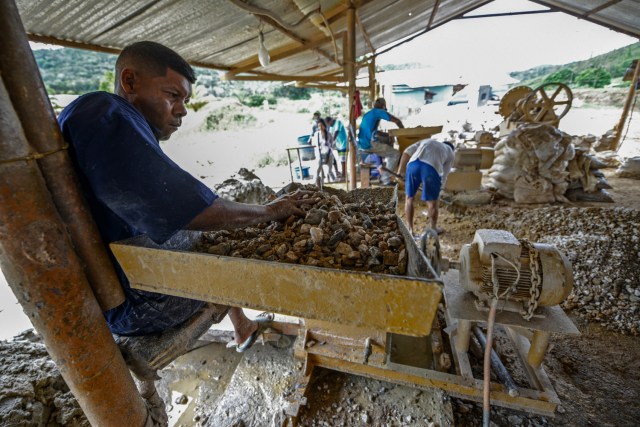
307	153
305	172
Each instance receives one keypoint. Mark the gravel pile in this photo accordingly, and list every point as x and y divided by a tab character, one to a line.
32	391
603	245
360	236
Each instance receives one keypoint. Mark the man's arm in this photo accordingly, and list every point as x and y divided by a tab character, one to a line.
406	156
402	167
446	168
225	214
396	120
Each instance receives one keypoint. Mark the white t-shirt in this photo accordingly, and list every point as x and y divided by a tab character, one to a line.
434	153
325	145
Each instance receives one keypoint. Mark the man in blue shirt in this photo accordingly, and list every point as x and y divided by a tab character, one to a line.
133	188
367	137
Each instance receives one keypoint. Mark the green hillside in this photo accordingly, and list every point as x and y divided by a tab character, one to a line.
615	63
77	71
73	71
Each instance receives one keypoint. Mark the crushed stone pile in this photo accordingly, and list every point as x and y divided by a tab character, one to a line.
603	246
32	391
360	235
245	187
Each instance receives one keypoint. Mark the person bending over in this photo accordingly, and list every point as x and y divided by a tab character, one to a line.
427	163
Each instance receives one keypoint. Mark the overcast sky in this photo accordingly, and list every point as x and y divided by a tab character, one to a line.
510	43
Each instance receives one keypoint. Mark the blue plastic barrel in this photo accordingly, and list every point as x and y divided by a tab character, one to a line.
307	153
305	172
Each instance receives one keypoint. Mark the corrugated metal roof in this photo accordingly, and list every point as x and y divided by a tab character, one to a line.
223	34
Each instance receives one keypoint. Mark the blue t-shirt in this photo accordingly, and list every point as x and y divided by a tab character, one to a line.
369	125
341	138
131	188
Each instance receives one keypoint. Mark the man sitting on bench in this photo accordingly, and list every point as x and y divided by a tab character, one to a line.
133	188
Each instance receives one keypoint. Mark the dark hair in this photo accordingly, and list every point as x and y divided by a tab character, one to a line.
328	119
324	132
450	145
155	59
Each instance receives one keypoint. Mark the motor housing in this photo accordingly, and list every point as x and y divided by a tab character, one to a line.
543	264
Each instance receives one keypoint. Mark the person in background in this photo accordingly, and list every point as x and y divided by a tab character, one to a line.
314	126
323	139
339	133
368	142
427	162
133	188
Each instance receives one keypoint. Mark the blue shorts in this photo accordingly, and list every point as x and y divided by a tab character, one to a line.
422	173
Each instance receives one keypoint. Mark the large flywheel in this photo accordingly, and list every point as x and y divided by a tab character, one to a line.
547	103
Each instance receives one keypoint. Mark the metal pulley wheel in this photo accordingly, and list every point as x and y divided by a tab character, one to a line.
547	103
509	101
430	247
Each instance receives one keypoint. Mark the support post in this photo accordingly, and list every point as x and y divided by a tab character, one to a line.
538	349
462	337
372	82
31	103
45	274
615	146
350	74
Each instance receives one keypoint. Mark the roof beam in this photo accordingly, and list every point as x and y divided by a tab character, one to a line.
496	15
433	14
285	78
601	7
277	54
266	17
616	26
364	32
427	29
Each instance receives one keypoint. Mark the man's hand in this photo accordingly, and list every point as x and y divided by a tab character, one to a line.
289	204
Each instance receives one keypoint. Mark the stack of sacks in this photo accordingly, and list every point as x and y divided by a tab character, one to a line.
630	168
586	181
530	164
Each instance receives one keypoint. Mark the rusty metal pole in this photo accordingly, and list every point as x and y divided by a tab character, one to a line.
372	82
350	74
47	278
615	146
29	98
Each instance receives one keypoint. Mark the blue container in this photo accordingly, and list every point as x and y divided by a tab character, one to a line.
307	153
305	172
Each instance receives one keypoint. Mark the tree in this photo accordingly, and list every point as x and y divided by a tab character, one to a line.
107	82
565	75
594	77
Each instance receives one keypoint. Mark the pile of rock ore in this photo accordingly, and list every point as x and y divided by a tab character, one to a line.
360	235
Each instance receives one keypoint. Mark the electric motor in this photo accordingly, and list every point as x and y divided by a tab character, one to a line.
498	264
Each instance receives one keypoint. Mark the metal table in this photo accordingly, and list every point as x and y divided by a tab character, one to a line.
297	148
